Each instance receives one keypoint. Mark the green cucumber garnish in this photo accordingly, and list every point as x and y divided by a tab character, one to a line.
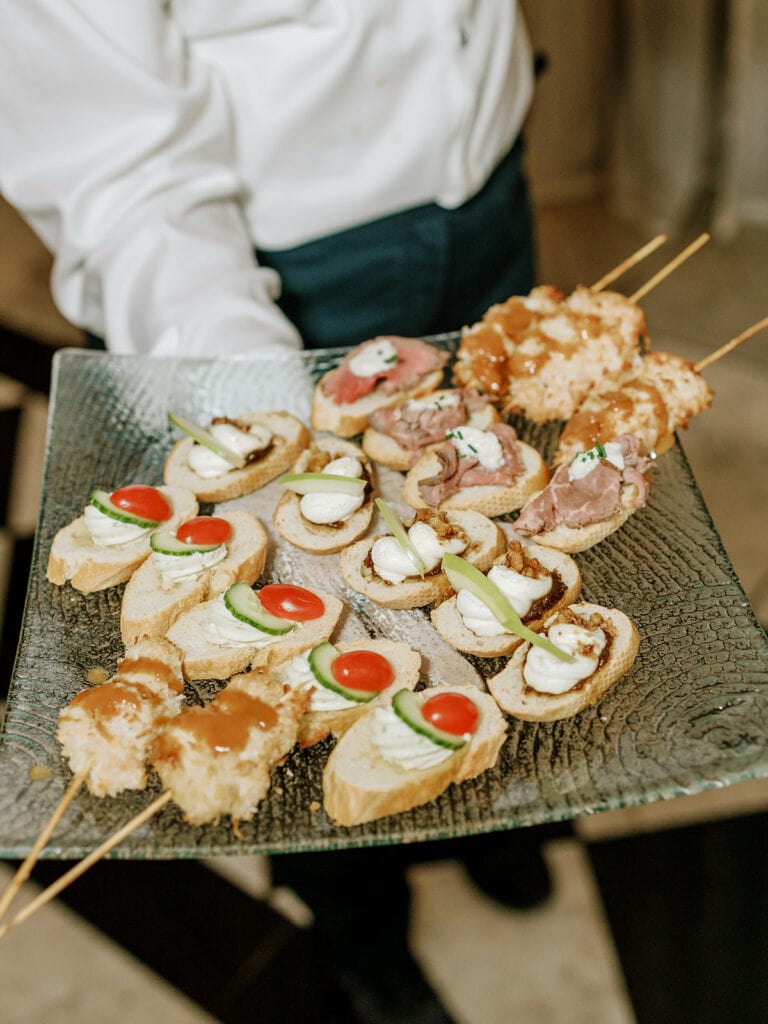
407	707
400	535
244	604
312	483
464	576
320	661
207	439
165	543
101	500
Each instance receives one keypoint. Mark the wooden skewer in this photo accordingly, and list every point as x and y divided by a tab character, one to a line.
25	869
730	345
672	265
82	866
629	262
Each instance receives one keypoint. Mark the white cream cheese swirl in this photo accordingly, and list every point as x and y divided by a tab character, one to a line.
225	630
376	357
107	532
521	591
585	462
400	745
208	465
544	672
473	443
177	568
394	565
323	507
297	674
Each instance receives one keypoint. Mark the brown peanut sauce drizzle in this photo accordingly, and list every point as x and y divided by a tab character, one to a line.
223	726
109	699
152	667
596	427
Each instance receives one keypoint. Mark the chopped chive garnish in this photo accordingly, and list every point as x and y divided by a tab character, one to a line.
601	450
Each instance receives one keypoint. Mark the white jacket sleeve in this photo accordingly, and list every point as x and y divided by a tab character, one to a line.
117	148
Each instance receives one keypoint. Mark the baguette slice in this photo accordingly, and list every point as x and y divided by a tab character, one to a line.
491	499
518	699
486	542
202	659
150	605
319	538
418	371
449	622
360	786
386	450
316	725
91	567
289	437
572	539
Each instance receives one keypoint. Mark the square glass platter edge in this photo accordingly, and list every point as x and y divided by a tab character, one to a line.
692	714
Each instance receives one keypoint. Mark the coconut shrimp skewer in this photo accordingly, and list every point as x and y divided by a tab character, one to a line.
661	393
214	760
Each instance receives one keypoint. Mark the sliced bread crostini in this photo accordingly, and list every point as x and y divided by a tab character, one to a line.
284	437
589	498
529	560
456	476
614	653
397	436
361	785
331	711
89	566
473	535
377	373
151	602
206	654
337	527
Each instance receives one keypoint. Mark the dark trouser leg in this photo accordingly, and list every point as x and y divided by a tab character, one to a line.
361	903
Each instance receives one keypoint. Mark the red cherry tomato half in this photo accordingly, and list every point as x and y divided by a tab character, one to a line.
204	530
145	502
451	712
287	601
362	670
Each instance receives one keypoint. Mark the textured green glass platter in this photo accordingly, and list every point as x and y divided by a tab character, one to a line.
691	715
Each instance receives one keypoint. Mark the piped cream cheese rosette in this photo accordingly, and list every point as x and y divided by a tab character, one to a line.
328	499
346	680
408	751
535	580
402	569
535	686
233	456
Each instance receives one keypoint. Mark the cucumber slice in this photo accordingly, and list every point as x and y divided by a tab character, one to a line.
311	483
207	439
320	660
464	576
244	604
165	543
101	501
407	707
400	535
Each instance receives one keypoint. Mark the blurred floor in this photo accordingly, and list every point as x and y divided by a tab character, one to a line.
594	952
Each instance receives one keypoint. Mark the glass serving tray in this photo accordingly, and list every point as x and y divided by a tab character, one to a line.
692	714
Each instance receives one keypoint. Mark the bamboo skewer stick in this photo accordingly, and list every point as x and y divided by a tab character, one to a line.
629	262
25	869
672	265
730	345
82	866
